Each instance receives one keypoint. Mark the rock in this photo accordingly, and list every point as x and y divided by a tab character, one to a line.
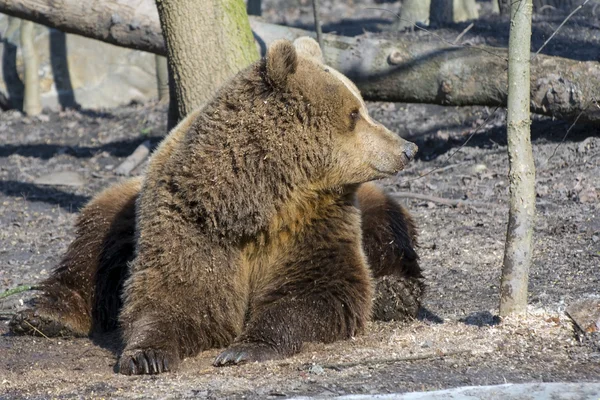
477	169
542	190
316	369
61	178
588	144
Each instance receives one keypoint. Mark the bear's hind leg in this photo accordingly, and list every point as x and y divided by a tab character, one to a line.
389	241
82	294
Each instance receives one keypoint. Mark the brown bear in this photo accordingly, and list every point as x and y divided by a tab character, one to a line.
246	230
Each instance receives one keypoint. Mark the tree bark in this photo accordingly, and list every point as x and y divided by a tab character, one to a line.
444	12
427	71
521	176
32	103
207	42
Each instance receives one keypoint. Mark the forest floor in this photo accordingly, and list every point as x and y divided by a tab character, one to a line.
458	341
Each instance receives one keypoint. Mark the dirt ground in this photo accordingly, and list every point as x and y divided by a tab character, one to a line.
457	341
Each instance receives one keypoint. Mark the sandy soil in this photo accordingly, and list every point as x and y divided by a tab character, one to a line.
457	341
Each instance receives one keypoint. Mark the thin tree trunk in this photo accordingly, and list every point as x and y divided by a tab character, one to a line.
317	19
32	104
495	7
443	12
427	71
504	6
162	77
519	247
13	26
207	42
413	11
465	10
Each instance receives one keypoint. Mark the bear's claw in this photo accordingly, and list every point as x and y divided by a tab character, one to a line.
149	361
245	352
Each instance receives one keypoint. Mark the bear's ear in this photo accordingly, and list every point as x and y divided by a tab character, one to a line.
308	46
281	62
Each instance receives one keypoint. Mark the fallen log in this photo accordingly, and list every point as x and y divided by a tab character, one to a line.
385	70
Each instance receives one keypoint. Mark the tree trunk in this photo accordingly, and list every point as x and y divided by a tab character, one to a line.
521	176
207	42
504	6
496	6
13	27
413	11
162	77
444	12
427	71
317	19
254	7
32	103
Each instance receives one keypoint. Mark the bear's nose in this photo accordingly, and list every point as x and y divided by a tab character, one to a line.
410	150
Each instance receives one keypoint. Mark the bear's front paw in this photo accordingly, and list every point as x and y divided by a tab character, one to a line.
246	352
34	322
147	361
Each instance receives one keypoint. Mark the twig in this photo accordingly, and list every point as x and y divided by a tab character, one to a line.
447	167
36	329
15	290
440	200
467	29
395	360
560	26
135	159
315	4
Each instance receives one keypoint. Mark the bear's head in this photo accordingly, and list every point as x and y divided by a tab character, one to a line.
353	148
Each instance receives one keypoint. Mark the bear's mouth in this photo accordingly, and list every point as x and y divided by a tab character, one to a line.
405	160
387	172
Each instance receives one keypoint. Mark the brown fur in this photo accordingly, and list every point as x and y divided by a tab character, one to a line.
82	294
389	240
247	232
